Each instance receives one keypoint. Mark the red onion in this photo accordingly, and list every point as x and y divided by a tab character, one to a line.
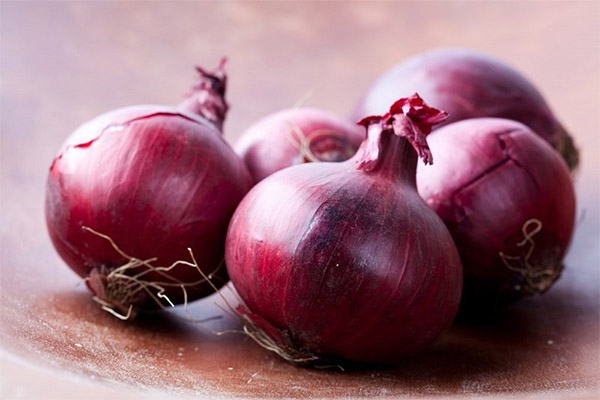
468	84
295	136
345	260
509	203
155	180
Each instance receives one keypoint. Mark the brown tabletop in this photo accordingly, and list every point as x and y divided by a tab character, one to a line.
63	63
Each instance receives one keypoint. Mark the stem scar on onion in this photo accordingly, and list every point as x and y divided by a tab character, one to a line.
303	141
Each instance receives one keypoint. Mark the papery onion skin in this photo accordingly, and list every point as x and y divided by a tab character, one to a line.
345	260
157	180
468	84
496	184
276	141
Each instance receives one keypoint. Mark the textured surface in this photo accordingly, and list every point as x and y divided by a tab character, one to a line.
63	63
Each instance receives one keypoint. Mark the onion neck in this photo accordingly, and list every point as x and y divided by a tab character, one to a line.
395	139
206	97
389	155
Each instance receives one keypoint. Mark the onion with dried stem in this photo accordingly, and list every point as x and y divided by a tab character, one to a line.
156	180
345	260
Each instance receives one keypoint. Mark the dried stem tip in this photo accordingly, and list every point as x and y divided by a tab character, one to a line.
207	96
409	117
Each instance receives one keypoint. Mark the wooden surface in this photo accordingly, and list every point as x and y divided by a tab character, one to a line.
63	63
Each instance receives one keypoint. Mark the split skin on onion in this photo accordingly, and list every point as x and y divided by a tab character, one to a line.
507	199
131	190
344	261
468	84
295	136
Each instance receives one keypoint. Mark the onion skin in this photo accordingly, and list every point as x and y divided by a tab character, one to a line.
467	84
275	141
496	184
345	260
156	180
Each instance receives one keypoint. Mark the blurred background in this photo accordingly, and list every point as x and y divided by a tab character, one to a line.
144	51
62	63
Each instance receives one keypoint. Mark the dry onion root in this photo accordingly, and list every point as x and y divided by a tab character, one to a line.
117	289
535	278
